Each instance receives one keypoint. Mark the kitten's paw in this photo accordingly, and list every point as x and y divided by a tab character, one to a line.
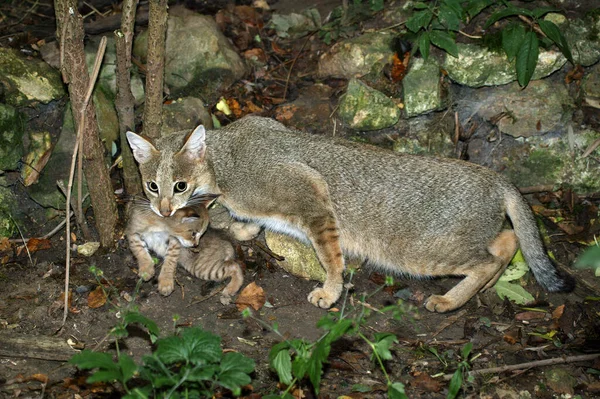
166	287
322	298
146	271
225	299
439	303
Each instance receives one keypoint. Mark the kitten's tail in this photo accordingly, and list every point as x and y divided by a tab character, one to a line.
527	232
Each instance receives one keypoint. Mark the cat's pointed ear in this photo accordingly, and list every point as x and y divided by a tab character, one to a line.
209	199
142	149
195	146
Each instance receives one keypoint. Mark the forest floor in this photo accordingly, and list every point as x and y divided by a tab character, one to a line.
561	327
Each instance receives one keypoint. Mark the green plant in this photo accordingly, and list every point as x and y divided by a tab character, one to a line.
438	21
343	21
190	365
458	378
296	359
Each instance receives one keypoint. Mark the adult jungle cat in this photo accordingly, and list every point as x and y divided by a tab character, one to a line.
407	214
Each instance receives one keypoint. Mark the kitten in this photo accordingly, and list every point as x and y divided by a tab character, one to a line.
423	216
172	239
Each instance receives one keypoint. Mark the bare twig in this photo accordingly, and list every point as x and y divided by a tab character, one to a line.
532	24
591	148
449	321
22	238
81	222
266	250
470	36
537	363
287	80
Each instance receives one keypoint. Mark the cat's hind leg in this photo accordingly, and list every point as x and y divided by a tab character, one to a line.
233	270
477	276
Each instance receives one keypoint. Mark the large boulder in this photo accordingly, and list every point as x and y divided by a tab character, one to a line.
26	81
199	59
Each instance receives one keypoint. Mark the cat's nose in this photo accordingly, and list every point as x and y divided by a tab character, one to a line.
165	207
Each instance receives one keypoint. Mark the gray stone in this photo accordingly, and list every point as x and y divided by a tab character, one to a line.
540	108
422	88
12	127
367	53
296	25
300	258
477	66
107	79
199	59
583	38
591	85
185	113
27	81
364	108
425	137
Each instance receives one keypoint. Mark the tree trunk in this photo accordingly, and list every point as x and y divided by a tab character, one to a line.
157	28
125	101
74	72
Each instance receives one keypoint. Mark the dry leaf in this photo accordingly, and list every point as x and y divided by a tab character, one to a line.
528	316
512	336
426	383
43	378
558	312
97	298
4	244
253	295
36	244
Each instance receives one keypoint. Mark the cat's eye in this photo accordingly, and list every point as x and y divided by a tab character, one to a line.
152	186
180	186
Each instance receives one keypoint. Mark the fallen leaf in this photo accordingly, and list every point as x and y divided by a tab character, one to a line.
527	316
4	244
253	295
512	336
36	244
558	312
234	106
96	298
43	378
426	383
257	54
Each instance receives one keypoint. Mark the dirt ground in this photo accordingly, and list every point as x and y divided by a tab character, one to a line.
557	327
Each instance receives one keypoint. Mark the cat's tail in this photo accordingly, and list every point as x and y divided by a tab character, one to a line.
527	232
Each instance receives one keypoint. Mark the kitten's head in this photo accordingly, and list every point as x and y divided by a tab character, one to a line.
174	169
190	224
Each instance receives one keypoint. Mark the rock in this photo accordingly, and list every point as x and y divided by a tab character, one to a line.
309	112
300	258
184	114
294	25
8	205
26	81
199	59
477	66
107	78
40	149
45	192
364	108
583	39
542	107
422	88
551	159
12	127
591	85
367	53
425	137
88	249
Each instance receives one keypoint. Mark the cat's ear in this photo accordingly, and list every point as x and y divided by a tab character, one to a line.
209	199
195	146
190	219
142	149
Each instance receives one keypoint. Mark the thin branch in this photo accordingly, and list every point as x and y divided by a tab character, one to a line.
591	148
287	80
537	363
470	36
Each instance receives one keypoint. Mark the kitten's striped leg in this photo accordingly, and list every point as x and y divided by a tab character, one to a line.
139	250
166	278
231	269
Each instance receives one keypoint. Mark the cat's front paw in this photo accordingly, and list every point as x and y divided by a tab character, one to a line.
166	286
322	298
146	271
225	299
439	303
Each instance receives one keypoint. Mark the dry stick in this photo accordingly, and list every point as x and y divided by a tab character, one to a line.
63	189
84	105
532	24
287	80
537	363
591	148
536	189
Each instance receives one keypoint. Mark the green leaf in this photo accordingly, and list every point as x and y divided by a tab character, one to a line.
282	363
444	41
203	373
514	271
195	346
512	37
376	5
449	16
234	371
361	388
541	11
419	5
128	367
87	359
418	20
455	384
589	259
135	317
507	12
474	7
396	391
382	344
514	292
527	57
315	365
466	350
104	376
554	33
